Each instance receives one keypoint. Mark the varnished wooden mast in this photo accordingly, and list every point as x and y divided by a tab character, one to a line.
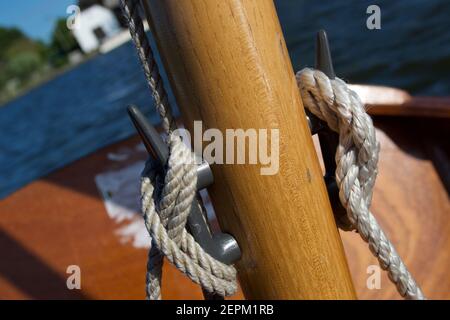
229	67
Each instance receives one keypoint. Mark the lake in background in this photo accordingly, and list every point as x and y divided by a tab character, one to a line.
85	108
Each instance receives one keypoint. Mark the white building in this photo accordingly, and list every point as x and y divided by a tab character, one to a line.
95	25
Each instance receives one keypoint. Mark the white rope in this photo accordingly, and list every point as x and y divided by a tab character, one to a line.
130	9
166	203
167	196
356	159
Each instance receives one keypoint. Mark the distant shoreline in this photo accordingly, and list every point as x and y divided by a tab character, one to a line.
49	76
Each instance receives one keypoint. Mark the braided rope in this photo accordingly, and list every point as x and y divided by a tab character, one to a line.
167	199
148	62
356	159
166	203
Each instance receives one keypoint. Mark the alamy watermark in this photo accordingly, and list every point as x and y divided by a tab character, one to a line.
374	279
74	280
373	22
237	146
72	21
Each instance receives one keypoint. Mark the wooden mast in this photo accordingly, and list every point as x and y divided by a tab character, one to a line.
229	67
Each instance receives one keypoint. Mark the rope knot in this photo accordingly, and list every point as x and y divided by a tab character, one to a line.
167	197
334	102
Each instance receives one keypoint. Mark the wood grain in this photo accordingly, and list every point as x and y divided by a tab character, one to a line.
412	205
387	101
229	67
61	220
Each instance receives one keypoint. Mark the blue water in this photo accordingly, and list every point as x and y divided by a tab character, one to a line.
411	51
84	109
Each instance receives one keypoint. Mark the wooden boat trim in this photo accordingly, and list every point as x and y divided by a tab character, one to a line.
387	101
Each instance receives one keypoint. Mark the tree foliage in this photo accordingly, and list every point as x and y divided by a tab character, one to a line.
23	60
61	44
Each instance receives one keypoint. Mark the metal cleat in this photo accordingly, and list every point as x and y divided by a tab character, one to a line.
221	246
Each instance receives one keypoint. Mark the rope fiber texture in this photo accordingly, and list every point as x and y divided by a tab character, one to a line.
167	194
130	10
166	203
356	166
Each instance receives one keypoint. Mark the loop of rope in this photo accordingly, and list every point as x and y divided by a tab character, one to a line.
356	159
166	203
167	197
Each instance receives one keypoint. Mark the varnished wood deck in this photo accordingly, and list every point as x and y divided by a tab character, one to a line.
61	220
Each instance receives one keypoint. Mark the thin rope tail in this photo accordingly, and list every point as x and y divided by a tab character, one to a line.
130	9
356	166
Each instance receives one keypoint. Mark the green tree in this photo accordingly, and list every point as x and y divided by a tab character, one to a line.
7	37
62	43
21	60
25	62
19	57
